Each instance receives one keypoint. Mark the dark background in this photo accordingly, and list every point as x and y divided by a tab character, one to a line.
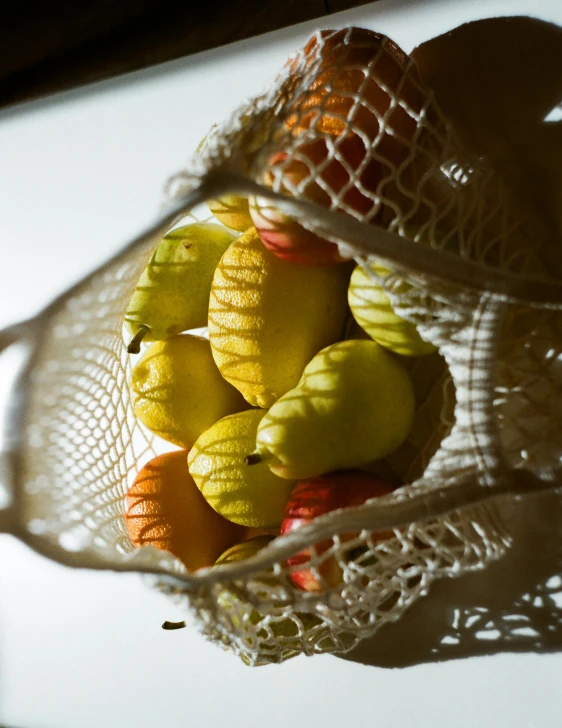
51	45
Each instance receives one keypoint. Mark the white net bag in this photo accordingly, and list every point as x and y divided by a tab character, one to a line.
349	142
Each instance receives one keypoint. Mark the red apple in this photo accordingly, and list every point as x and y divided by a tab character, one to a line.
317	496
336	174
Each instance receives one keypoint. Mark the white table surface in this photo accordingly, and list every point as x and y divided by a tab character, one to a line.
81	172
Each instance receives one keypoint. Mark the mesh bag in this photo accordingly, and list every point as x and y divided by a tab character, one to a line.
349	142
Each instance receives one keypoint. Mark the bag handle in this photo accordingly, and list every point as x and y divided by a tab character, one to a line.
400	253
13	334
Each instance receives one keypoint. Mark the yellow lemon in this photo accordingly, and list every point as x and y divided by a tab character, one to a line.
232	211
250	496
178	392
243	550
268	317
373	311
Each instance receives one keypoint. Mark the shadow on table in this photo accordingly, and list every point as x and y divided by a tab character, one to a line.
515	605
497	80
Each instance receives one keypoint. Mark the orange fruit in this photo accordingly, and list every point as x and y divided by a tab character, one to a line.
352	63
165	509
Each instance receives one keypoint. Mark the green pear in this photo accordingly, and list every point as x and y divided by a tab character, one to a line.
354	404
373	311
287	627
172	294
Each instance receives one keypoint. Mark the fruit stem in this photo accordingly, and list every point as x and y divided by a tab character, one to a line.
134	346
253	459
258	456
173	625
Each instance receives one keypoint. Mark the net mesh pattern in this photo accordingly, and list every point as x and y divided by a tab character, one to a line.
348	125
